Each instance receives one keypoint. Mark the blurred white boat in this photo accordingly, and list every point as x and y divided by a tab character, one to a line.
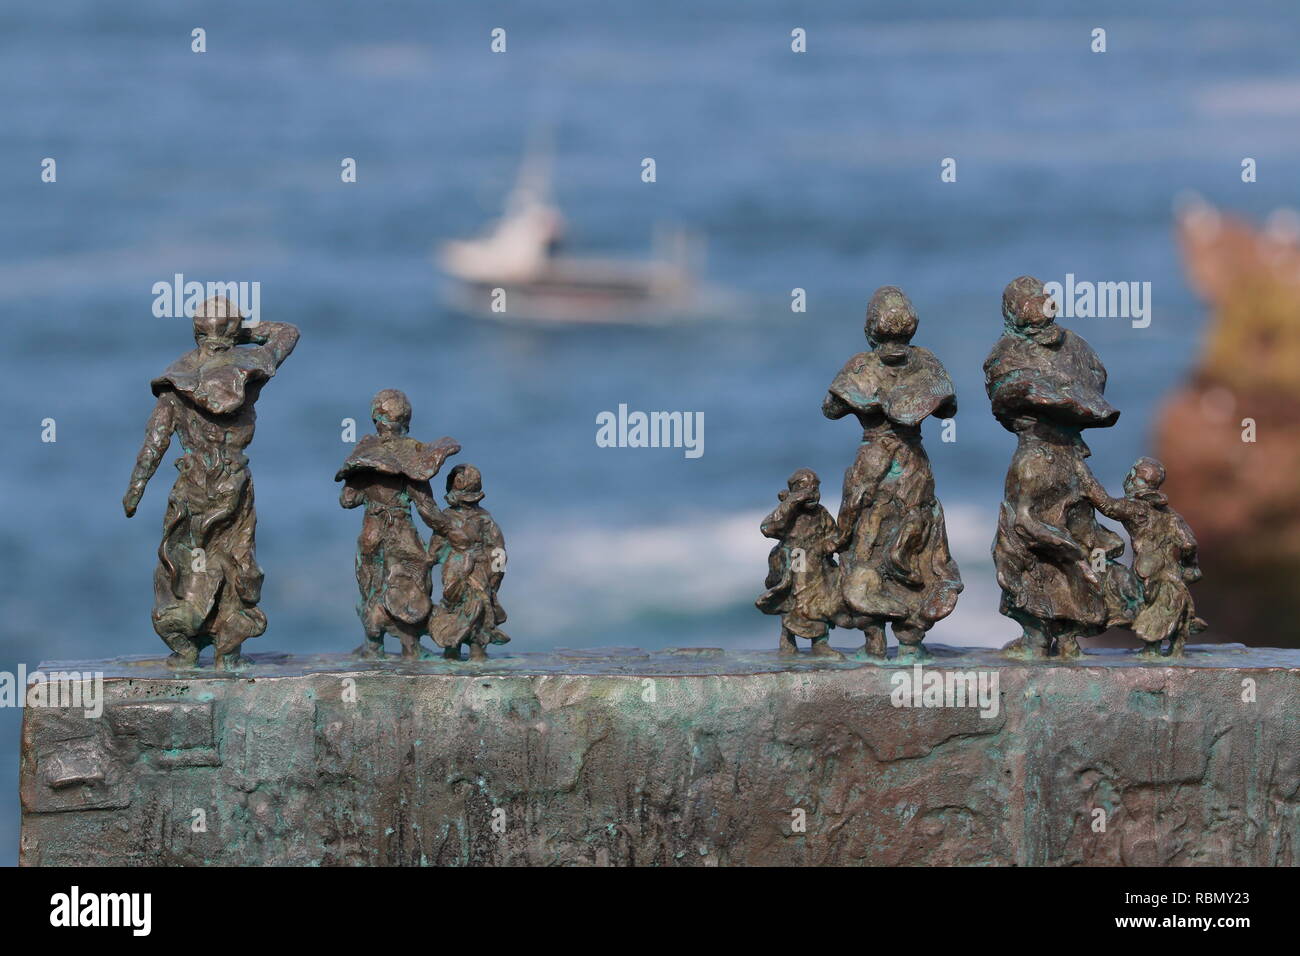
514	271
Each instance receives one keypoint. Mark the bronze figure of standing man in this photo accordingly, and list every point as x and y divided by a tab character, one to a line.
208	583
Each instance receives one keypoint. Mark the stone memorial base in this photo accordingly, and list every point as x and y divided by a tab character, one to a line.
699	756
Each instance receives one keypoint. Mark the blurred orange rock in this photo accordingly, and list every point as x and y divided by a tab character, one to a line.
1242	496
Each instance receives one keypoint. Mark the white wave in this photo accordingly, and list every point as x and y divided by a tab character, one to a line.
701	564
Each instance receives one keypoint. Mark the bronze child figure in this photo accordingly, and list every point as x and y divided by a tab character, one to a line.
469	545
894	557
803	580
388	472
208	583
1164	560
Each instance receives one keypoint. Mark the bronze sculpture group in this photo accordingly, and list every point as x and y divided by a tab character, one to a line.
883	559
1057	566
894	565
208	584
387	473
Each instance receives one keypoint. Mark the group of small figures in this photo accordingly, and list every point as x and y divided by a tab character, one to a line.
208	584
886	558
387	473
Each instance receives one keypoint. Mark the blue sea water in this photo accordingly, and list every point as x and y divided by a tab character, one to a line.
817	171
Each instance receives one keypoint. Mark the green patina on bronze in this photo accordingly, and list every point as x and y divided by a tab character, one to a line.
208	584
884	559
669	757
1057	566
385	475
388	473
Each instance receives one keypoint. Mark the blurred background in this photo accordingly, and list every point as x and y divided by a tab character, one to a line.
817	171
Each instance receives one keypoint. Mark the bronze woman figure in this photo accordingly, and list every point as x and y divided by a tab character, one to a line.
894	558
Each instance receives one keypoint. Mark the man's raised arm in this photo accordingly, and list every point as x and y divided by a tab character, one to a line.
279	337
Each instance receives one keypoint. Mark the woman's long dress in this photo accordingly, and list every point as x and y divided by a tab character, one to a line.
897	565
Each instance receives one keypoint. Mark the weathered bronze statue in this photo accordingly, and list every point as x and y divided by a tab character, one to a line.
1164	560
803	581
472	551
388	472
1056	565
895	562
207	584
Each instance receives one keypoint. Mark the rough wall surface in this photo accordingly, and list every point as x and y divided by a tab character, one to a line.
673	757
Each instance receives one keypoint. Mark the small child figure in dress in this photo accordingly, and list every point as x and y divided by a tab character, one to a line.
1164	560
803	580
468	543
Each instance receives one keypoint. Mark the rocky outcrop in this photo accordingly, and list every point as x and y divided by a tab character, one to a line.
1230	438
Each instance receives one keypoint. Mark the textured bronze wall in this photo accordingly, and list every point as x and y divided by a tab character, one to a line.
690	757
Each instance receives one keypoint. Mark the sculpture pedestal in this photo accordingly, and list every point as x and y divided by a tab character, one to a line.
618	756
